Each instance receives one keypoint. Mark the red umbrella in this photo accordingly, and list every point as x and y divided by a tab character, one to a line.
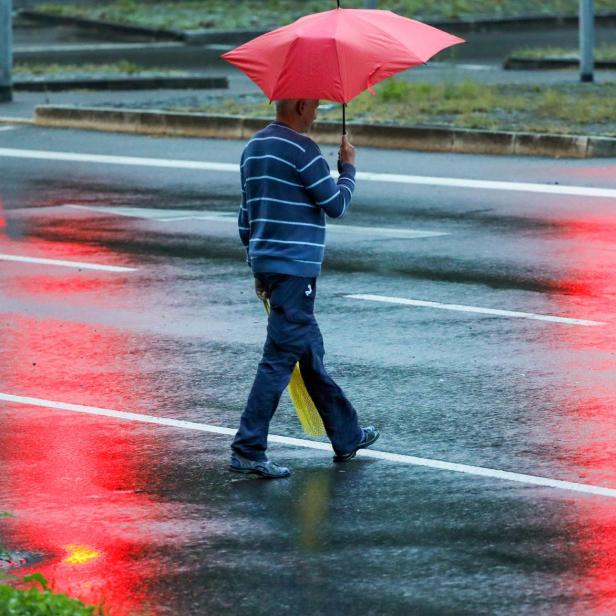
335	55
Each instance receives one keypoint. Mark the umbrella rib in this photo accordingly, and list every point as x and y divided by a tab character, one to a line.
283	64
338	62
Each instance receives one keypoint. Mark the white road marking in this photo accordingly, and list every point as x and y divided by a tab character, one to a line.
119	160
580	191
78	264
460	308
297	442
7	127
178	215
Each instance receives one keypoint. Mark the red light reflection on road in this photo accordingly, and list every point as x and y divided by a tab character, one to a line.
72	481
588	362
2	219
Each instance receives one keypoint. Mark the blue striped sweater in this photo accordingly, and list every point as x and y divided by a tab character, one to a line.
287	191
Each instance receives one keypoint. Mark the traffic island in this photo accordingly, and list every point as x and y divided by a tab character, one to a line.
239	21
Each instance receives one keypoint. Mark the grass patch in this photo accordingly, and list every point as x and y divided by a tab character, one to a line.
561	109
603	53
197	14
122	68
37	600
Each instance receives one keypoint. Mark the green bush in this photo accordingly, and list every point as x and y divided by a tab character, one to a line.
31	596
395	90
41	601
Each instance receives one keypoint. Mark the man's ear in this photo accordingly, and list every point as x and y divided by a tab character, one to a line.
300	106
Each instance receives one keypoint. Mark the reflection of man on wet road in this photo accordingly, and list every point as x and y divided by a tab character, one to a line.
287	190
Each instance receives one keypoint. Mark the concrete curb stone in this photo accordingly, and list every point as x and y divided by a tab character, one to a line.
122	83
148	54
432	139
512	63
16	120
552	145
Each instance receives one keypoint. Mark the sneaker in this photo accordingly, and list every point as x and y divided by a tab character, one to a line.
370	434
264	468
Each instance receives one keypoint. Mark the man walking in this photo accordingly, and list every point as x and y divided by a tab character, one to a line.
287	191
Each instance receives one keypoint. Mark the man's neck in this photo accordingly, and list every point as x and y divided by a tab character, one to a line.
289	124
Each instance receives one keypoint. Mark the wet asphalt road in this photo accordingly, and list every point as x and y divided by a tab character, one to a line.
147	519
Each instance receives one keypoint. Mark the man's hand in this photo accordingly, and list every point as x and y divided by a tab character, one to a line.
260	290
347	151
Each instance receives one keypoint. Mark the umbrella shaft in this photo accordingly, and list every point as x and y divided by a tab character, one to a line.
344	118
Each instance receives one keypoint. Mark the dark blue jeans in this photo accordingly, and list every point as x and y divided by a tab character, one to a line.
293	335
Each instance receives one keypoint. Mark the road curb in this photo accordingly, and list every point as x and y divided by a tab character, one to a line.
512	63
156	55
430	139
537	22
101	26
122	83
236	36
16	120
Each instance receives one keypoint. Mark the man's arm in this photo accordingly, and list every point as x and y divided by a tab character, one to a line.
333	197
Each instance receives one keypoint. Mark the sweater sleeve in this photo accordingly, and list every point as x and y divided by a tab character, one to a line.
243	222
333	197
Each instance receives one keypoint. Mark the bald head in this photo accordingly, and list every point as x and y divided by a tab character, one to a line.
285	106
298	113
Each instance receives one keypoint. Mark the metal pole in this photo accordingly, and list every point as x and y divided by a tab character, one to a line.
587	43
370	4
6	52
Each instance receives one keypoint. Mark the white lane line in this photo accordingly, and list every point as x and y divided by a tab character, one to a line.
167	215
8	127
476	309
297	442
77	264
552	189
583	191
119	160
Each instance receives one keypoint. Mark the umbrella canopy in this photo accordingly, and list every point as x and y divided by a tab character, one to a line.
335	55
